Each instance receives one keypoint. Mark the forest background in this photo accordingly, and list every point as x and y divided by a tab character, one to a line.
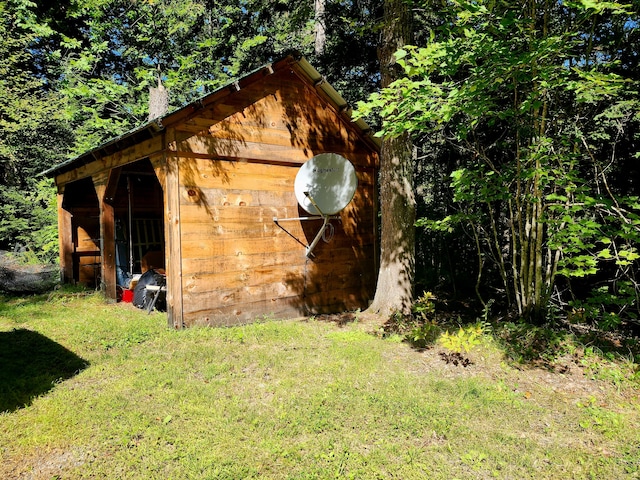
522	117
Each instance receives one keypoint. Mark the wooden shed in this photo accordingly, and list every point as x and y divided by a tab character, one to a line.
196	192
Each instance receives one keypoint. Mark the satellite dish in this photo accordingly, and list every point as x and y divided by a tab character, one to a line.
325	184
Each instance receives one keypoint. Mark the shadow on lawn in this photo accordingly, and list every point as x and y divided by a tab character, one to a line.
543	345
30	365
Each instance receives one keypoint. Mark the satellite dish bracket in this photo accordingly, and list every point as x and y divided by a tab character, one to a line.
318	236
324	224
326	218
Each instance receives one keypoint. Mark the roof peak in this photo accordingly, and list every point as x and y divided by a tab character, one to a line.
154	127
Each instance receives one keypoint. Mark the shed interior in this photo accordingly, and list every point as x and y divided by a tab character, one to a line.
139	225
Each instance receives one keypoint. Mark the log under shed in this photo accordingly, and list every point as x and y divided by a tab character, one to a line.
198	189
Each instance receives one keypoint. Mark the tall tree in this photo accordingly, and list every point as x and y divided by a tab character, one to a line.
534	105
394	290
32	132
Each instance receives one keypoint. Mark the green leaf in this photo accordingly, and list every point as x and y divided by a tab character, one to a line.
604	253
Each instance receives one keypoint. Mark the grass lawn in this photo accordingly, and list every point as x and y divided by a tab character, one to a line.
96	390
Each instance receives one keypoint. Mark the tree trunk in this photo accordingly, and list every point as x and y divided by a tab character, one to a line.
158	101
321	36
394	290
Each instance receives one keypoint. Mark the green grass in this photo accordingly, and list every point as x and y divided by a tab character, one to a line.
122	396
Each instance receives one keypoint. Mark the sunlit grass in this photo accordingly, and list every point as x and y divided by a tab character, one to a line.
291	399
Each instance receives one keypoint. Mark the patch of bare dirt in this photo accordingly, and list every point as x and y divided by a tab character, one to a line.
43	464
364	319
530	383
17	278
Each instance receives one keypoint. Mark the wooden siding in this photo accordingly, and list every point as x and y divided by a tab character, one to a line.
237	163
65	240
238	263
278	120
86	246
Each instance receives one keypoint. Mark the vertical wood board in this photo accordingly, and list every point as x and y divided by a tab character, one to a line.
173	243
65	240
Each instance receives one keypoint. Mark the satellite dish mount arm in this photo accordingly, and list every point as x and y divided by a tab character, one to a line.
324	224
313	202
322	216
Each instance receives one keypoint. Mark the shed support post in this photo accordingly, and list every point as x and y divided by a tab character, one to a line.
65	240
167	172
107	234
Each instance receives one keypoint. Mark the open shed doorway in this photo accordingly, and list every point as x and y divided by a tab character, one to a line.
139	222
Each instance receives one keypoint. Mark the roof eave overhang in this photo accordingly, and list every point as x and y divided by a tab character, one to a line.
146	131
336	99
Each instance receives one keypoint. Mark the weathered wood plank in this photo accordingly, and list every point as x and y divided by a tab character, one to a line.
223	174
301	234
201	200
238	298
128	155
235	315
344	300
281	136
232	223
158	162
228	280
338	301
362	257
286	307
87	266
346	278
340	247
107	237
197	213
112	184
243	149
215	231
200	247
86	231
246	206
173	245
222	207
216	174
202	265
216	198
107	229
191	129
